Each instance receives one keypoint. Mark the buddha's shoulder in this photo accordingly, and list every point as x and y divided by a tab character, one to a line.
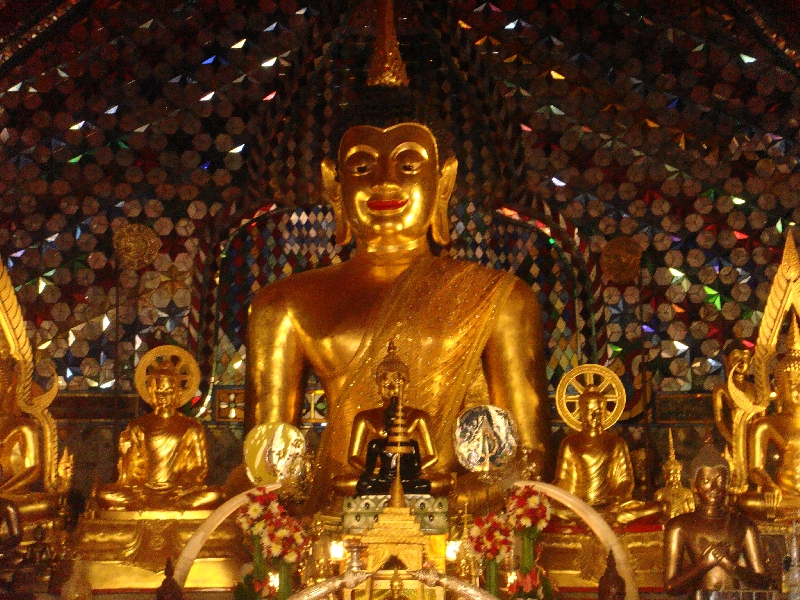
299	285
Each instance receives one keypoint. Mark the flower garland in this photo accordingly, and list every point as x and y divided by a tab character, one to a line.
529	512
279	535
277	540
491	537
527	508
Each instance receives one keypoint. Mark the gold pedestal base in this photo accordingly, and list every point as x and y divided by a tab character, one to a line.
576	560
128	550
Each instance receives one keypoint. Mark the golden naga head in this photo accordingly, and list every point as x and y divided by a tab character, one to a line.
387	188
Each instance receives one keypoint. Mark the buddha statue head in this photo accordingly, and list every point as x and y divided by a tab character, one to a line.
710	472
392	375
787	371
592	410
388	189
163	384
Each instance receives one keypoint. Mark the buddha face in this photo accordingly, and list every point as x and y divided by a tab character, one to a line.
392	383
162	391
710	485
592	410
389	184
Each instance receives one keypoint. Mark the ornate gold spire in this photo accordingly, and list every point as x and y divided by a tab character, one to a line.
386	66
672	461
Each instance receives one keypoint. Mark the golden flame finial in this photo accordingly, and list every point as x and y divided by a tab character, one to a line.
790	263
671	445
386	66
793	340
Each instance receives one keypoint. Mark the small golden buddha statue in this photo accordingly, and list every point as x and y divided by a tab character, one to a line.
778	496
673	497
476	333
594	463
163	459
31	474
371	429
712	547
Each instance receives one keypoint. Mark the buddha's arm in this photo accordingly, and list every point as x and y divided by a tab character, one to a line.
567	470
275	362
359	438
25	467
760	437
192	466
423	437
514	365
753	574
621	472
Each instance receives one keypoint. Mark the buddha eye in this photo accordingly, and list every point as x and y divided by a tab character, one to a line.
409	161
360	163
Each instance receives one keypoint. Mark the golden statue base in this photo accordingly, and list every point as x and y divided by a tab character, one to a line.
128	550
575	558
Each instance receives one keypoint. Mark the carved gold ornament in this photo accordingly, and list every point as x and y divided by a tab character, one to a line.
604	381
620	259
186	370
135	246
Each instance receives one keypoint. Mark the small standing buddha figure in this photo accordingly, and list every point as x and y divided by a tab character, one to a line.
163	459
381	436
594	463
778	496
673	497
712	547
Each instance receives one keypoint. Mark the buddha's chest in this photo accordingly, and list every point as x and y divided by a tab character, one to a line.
714	532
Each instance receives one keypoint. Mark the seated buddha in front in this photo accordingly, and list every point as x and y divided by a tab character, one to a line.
163	460
594	463
369	452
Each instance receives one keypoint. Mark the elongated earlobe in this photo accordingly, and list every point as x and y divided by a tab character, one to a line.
332	192
440	226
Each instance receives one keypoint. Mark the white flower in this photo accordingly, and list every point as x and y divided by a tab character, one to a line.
254	511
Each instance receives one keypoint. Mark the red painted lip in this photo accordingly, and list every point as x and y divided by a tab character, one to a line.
390	204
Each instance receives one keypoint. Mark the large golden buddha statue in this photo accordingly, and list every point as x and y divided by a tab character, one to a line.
594	463
31	474
471	335
163	457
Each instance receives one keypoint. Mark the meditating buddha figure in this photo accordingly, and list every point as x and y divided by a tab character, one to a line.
163	459
472	335
712	547
371	430
673	497
595	465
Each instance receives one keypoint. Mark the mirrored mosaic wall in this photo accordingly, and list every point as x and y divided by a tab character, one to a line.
575	124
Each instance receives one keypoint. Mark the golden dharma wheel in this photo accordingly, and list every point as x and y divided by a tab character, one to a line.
596	378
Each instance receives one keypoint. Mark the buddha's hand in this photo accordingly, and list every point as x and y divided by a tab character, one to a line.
137	461
713	555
